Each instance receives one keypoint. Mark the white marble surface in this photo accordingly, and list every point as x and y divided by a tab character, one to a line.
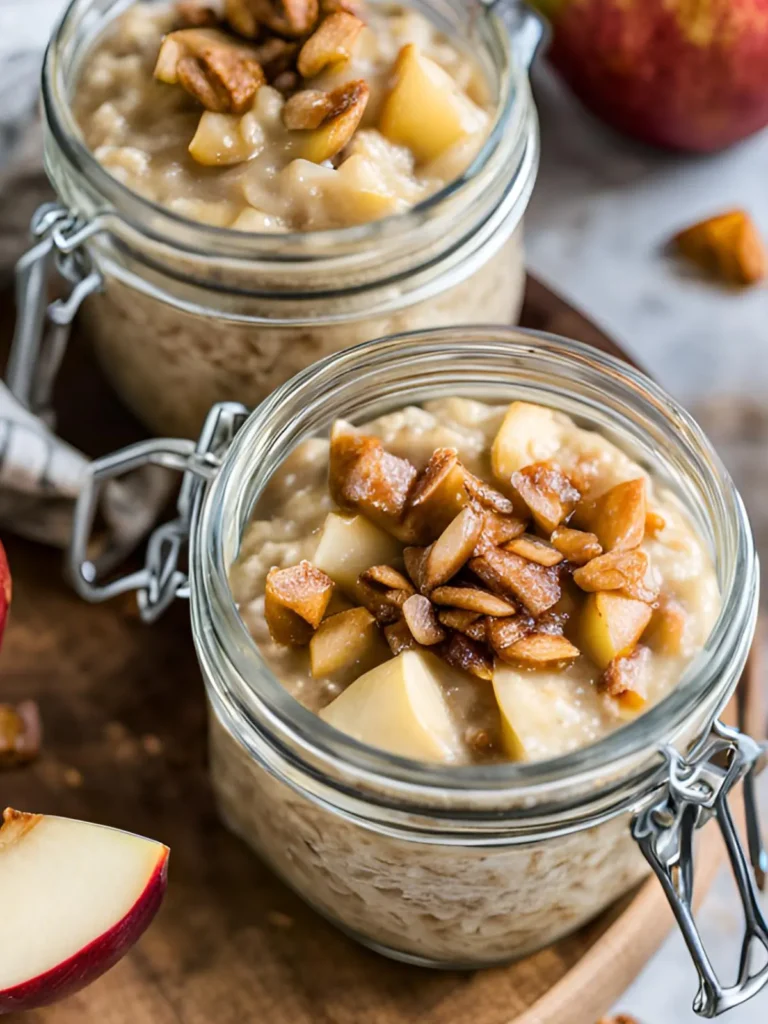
600	217
599	220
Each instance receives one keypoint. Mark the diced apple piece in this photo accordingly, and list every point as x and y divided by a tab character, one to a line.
547	493
399	707
75	898
346	107
425	110
620	516
666	633
611	626
438	495
529	433
625	679
360	191
295	601
615	570
218	141
577	545
351	544
542	710
346	642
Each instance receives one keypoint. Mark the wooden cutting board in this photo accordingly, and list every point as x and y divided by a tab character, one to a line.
124	719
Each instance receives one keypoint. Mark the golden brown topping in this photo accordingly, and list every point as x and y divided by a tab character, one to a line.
497	530
472	599
20	733
488	497
331	43
194	14
616	570
286	17
535	550
547	492
452	549
341	641
438	495
414	559
471	624
387	577
365	478
422	620
610	626
624	678
666	632
385	602
727	246
541	649
296	599
577	546
221	74
463	653
241	18
306	110
535	586
276	57
399	637
619	517
505	633
346	105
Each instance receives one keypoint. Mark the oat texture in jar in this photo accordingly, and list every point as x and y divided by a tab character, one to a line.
466	583
267	116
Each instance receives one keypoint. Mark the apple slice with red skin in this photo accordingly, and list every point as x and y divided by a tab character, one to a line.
6	590
75	897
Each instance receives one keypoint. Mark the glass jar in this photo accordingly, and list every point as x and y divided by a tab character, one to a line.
474	865
183	314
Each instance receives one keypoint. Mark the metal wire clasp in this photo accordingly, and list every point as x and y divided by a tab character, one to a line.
161	579
42	328
696	790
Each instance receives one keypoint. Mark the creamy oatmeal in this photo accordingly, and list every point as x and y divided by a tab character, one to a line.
470	583
261	117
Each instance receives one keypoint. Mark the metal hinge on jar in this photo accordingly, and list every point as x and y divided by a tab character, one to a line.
696	790
42	327
161	579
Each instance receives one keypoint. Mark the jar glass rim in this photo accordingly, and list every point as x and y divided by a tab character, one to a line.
220	632
511	122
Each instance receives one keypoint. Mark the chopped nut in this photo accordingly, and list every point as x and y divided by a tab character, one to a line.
384	603
241	18
535	586
438	495
619	518
472	599
306	110
535	550
624	678
364	477
399	637
194	14
221	74
552	622
20	733
452	549
350	6
497	530
505	633
387	577
488	497
341	641
616	570
577	545
541	649
295	601
463	653
471	624
547	492
346	105
422	620
726	246
331	43
654	524
414	559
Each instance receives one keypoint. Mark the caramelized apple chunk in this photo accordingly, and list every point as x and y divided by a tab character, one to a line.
503	634
616	570
296	599
547	492
611	626
469	656
438	496
620	516
343	642
222	74
399	637
331	43
383	590
529	433
471	624
624	679
344	108
364	477
537	587
577	546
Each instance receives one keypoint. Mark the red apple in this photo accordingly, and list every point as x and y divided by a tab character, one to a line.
74	899
688	76
6	590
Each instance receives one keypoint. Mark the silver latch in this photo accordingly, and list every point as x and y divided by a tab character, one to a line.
696	790
161	579
42	327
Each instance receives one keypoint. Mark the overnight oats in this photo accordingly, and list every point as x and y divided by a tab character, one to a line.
461	601
266	183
